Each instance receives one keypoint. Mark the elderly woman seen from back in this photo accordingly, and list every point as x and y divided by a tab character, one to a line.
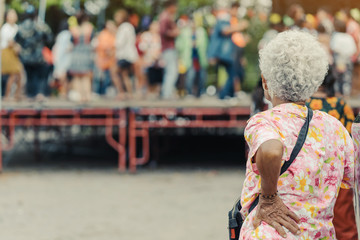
298	204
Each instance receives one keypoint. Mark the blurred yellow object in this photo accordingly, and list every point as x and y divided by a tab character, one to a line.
341	16
72	21
222	76
311	20
275	18
198	19
355	13
182	68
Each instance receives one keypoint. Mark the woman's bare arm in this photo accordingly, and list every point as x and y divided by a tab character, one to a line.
268	161
271	208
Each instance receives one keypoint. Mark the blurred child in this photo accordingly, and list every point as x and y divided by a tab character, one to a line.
11	64
82	59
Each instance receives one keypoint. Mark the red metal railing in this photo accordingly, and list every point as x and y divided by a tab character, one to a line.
69	117
143	119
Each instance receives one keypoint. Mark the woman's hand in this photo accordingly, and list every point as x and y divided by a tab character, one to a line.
274	212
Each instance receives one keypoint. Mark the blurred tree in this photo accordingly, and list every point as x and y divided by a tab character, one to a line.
19	5
154	7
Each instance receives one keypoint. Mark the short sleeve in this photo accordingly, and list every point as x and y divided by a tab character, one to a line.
259	130
349	162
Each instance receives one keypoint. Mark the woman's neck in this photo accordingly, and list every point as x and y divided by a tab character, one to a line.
321	93
277	101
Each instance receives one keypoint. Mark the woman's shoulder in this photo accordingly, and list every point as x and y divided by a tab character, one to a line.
261	119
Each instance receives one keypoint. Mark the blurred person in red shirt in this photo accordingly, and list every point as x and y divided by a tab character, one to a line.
168	32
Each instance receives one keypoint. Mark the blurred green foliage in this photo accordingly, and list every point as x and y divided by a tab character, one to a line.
18	5
256	31
142	7
153	8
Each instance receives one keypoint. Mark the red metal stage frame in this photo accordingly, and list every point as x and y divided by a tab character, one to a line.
109	118
142	119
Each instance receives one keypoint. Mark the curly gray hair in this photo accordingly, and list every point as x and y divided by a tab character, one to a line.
294	65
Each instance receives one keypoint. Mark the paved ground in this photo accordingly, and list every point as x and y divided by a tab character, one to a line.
97	204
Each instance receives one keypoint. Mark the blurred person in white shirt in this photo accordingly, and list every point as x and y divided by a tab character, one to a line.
11	65
126	53
343	48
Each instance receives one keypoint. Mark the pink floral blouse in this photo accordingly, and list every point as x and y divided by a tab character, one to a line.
311	185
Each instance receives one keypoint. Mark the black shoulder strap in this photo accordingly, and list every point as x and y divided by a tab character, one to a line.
298	146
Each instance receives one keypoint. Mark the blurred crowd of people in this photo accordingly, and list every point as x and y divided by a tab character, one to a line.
163	57
338	33
167	58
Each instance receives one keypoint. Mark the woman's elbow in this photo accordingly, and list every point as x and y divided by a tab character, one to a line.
270	150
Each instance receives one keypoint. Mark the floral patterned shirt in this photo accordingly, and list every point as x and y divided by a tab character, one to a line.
311	185
334	106
355	131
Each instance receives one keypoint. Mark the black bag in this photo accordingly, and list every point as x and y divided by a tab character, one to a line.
235	218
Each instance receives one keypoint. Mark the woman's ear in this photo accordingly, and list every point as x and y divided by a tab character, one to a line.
266	88
264	83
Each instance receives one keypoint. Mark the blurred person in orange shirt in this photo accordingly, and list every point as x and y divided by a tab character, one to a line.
105	57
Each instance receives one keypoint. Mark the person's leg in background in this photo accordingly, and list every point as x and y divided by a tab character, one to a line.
115	77
347	79
87	82
31	81
170	73
189	81
42	80
18	87
98	80
4	79
125	77
140	84
107	81
202	82
75	93
14	78
228	89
